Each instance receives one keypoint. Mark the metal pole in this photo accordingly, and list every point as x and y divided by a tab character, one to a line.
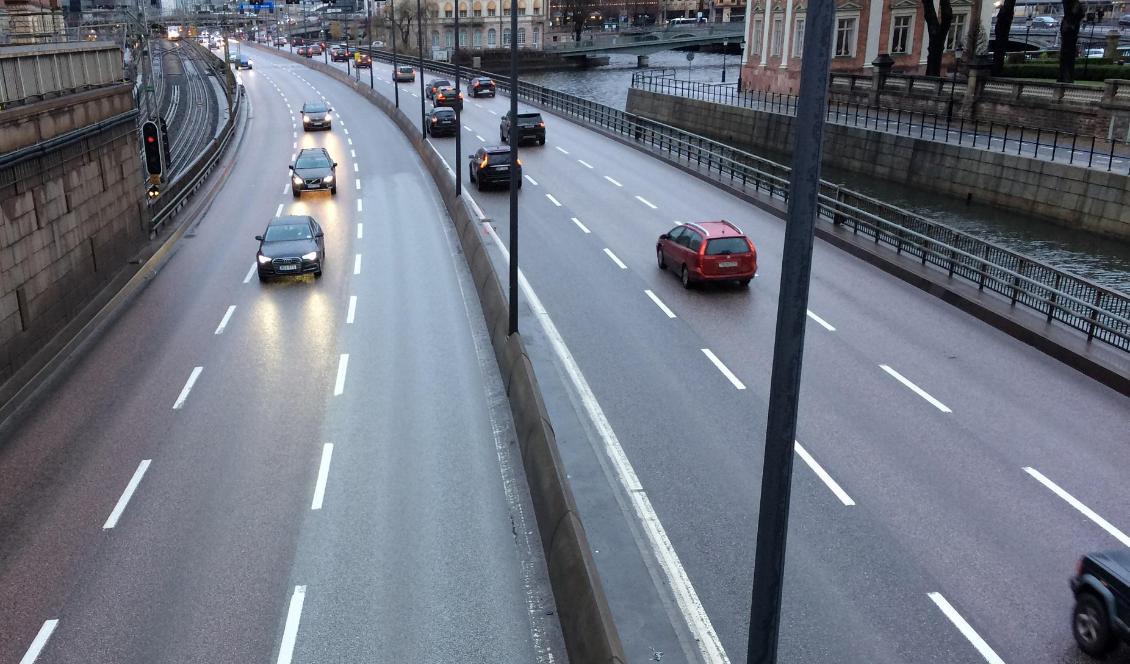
420	43
788	345
369	35
395	35
458	111
515	179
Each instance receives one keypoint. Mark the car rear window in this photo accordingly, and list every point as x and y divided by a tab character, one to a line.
444	113
312	161
285	232
529	118
404	70
499	158
726	245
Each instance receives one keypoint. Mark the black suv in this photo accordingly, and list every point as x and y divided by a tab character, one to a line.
291	245
313	169
530	128
491	165
442	122
482	85
316	115
448	96
1102	602
430	90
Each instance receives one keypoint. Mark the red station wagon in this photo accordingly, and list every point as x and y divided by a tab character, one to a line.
707	251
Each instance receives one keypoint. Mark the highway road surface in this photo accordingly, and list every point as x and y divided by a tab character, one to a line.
947	477
317	470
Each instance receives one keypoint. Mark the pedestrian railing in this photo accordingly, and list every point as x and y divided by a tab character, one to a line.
1035	142
1100	313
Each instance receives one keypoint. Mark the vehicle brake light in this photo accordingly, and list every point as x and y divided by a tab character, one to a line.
1079	567
460	95
434	120
484	162
752	249
519	162
439	97
702	249
541	124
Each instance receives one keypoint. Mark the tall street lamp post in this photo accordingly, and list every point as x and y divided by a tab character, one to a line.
420	44
458	110
953	82
515	179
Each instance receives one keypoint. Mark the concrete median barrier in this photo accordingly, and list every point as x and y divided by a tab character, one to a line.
586	621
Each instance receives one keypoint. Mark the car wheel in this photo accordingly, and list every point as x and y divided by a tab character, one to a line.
294	192
1091	626
541	142
318	272
501	136
660	259
478	184
685	277
744	283
333	190
262	278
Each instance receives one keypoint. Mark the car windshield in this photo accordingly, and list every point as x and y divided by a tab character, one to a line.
726	245
312	161
288	232
314	108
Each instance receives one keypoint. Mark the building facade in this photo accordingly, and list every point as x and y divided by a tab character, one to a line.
864	29
483	24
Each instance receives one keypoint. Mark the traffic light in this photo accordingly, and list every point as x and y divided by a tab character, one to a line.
151	140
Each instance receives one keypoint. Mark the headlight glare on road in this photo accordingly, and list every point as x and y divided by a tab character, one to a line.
264	259
310	256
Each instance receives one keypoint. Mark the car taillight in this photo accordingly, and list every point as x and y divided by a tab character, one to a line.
460	95
484	162
439	97
1079	567
519	162
702	250
752	249
434	120
541	125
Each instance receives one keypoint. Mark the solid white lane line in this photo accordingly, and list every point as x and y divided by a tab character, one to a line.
698	623
584	163
120	507
352	310
357	264
468	128
580	225
481	139
250	273
659	303
722	367
966	629
279	210
187	388
290	630
553	200
342	367
39	642
613	181
491	110
823	323
360	230
415	95
357	185
323	476
1074	502
358	204
531	180
224	321
914	388
619	263
561	149
646	202
285	187
823	474
354	167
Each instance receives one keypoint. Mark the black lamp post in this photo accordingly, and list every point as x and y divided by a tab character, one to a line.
458	109
515	179
395	83
725	47
420	44
953	81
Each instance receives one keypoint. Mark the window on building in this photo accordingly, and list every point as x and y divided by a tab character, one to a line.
798	36
463	12
435	39
956	35
755	37
491	11
845	36
900	34
462	39
448	13
537	36
478	39
506	37
492	38
448	39
521	36
777	36
521	9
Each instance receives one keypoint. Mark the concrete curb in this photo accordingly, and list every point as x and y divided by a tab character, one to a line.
582	609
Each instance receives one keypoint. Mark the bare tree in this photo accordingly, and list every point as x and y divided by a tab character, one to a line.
1001	34
576	12
1073	12
938	22
403	14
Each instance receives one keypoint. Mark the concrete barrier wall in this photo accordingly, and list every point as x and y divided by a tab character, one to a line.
582	610
70	218
1072	196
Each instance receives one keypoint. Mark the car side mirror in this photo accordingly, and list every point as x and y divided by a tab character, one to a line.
665	237
319	234
335	164
291	167
328	110
259	237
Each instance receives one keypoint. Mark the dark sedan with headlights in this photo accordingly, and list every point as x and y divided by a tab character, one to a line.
292	245
316	115
314	169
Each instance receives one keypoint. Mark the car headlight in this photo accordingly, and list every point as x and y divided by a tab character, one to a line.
310	256
305	119
329	116
264	259
295	179
328	179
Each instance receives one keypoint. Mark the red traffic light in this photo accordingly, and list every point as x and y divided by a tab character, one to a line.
150	139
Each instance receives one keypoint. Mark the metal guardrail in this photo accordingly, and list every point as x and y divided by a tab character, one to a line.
34	72
1100	313
1044	144
188	181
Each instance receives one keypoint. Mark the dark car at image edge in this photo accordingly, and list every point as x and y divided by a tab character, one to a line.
1101	617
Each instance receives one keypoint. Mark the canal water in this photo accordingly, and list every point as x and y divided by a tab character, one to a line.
1104	261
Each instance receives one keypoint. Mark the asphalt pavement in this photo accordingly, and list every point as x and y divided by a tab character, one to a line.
296	471
947	479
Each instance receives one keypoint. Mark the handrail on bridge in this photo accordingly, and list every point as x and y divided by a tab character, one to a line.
1102	314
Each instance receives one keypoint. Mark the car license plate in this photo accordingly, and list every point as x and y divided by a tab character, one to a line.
728	264
284	268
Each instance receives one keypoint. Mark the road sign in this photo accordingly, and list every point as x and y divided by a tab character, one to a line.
690	56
